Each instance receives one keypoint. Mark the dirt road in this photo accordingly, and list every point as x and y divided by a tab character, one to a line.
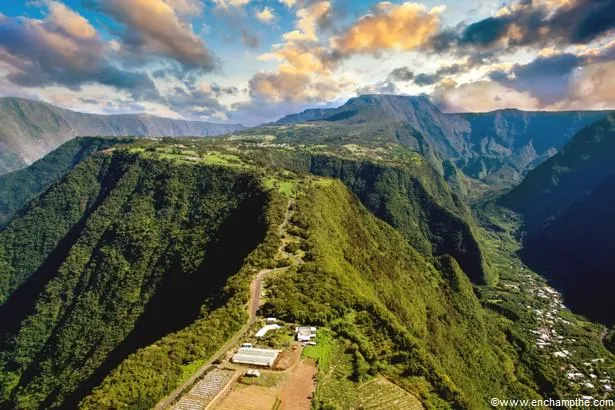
253	304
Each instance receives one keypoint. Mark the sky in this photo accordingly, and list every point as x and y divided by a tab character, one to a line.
254	61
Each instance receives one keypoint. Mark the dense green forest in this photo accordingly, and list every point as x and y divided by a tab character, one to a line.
133	268
101	258
409	194
19	187
414	318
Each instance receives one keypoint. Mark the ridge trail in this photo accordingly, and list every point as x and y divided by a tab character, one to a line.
253	304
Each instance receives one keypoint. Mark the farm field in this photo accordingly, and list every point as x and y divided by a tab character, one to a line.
205	390
249	398
381	394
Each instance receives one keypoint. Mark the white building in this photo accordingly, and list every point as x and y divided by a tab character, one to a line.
305	333
255	357
263	330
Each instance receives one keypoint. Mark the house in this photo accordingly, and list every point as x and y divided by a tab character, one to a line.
255	357
263	330
305	333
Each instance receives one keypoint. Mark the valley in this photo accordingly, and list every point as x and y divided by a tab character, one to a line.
307	204
420	300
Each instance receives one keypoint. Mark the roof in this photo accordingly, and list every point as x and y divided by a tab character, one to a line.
263	330
255	356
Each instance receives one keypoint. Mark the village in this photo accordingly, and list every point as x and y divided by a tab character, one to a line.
554	332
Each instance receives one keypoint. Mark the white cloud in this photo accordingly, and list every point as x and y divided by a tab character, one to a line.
266	15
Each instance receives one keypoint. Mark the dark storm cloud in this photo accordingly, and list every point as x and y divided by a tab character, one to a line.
401	74
533	23
546	78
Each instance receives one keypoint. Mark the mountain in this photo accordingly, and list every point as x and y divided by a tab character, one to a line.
19	187
568	207
497	147
31	129
128	272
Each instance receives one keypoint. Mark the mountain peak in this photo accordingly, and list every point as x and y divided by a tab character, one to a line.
367	108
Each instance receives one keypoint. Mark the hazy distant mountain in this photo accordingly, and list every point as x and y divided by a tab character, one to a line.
31	129
496	146
568	205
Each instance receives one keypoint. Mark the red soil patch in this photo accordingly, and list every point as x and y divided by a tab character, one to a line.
296	391
288	358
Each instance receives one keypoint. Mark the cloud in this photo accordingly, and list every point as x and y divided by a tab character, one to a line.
249	40
401	74
592	87
288	3
547	78
186	7
423	79
309	19
383	87
63	49
482	96
73	24
401	27
154	27
229	4
198	99
300	58
266	15
295	87
305	67
542	22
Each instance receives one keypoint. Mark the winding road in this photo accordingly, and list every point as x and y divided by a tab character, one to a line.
253	304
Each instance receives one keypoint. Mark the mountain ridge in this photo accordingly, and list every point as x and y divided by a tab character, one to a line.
494	146
31	129
567	208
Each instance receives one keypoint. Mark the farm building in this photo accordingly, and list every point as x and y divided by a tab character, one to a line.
255	357
263	330
305	333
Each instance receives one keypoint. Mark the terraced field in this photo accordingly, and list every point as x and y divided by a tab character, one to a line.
205	390
381	394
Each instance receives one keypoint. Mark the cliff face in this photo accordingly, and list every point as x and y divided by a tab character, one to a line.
497	147
568	205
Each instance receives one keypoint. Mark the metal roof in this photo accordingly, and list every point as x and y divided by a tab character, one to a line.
255	356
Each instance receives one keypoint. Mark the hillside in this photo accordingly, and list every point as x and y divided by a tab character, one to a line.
385	259
497	147
19	187
567	204
100	257
31	129
96	261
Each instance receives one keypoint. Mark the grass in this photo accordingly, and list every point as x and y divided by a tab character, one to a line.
189	369
323	351
286	187
380	394
265	380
